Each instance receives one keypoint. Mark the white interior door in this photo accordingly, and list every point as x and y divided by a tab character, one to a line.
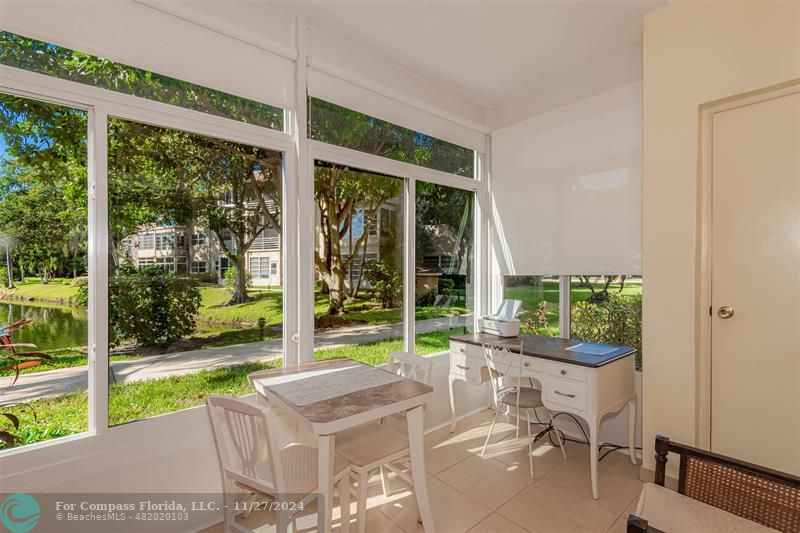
755	295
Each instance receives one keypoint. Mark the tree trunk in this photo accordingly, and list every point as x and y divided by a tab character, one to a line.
240	286
337	294
10	270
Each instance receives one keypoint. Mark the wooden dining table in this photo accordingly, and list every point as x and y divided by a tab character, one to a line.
330	396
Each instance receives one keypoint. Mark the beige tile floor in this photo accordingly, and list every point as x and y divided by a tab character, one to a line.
494	493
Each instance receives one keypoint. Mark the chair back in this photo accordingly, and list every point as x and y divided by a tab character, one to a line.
410	366
246	448
502	359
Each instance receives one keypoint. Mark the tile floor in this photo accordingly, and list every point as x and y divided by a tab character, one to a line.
494	493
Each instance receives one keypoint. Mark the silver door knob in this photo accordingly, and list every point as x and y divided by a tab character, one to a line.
725	312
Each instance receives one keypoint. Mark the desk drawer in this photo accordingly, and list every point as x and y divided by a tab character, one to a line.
566	393
467	349
566	371
466	367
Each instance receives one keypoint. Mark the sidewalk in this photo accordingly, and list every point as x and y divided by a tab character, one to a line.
65	380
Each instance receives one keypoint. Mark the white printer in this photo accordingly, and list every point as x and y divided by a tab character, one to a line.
504	322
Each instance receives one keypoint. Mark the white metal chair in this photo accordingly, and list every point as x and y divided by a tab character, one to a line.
504	361
376	447
251	462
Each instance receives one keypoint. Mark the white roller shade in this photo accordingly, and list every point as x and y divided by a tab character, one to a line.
566	188
337	90
144	37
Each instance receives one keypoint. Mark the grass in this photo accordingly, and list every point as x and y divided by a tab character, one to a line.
68	414
66	358
57	291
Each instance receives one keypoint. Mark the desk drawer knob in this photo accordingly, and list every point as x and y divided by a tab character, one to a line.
563	372
526	364
564	394
462	367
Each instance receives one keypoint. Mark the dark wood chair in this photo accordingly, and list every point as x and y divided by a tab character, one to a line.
762	495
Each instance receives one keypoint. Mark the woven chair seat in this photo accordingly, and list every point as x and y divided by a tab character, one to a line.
528	398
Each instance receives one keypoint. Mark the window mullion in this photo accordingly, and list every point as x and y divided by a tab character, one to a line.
565	305
98	270
409	264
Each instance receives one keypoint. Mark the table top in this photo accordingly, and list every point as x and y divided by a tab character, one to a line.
326	392
553	348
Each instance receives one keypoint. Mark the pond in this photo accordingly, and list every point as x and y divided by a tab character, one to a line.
52	328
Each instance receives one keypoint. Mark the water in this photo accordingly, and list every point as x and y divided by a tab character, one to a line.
52	327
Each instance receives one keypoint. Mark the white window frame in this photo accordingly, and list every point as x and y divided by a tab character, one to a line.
411	174
99	105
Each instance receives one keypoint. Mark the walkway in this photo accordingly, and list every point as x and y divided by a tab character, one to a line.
65	380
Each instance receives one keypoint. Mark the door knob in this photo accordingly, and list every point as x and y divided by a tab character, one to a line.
725	312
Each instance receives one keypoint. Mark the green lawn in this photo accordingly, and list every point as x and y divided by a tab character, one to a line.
68	414
57	291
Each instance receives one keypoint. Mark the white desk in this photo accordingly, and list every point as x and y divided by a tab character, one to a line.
587	386
347	410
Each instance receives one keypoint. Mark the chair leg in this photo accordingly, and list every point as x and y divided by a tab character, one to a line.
385	482
489	436
228	513
559	434
282	522
361	504
518	421
530	441
344	503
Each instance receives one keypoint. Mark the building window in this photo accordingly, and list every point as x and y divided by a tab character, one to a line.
198	267
335	125
199	239
146	241
44	58
180	241
259	267
165	240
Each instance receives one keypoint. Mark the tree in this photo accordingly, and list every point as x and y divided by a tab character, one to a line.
340	193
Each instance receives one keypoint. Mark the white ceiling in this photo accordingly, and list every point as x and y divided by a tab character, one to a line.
489	51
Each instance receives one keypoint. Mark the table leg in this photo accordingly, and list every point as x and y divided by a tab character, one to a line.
632	429
594	430
325	501
416	445
452	382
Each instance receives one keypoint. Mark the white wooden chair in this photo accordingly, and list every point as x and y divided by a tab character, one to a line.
251	462
504	362
376	447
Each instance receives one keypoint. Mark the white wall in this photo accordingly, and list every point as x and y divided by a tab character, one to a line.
567	188
694	52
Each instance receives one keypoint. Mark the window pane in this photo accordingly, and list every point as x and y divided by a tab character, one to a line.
43	241
540	303
44	58
171	316
444	291
359	286
338	125
608	309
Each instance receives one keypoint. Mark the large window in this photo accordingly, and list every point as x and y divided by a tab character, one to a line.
444	273
44	58
340	126
43	239
162	321
359	271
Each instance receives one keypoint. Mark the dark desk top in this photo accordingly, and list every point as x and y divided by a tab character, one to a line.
553	348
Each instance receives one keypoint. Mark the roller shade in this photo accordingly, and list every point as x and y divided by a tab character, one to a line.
146	38
566	188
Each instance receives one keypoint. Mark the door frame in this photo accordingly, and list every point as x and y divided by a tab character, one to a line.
703	262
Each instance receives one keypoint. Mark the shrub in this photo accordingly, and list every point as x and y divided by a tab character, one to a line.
618	320
80	281
447	287
427	299
151	306
385	282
